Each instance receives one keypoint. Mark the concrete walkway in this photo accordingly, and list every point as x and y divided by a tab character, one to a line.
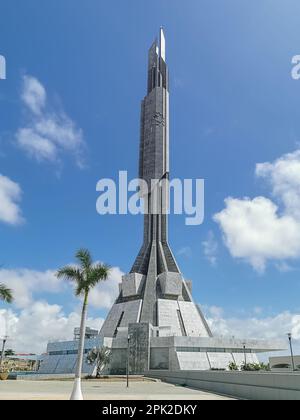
97	390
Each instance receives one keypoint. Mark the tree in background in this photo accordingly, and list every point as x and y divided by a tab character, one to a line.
101	357
6	294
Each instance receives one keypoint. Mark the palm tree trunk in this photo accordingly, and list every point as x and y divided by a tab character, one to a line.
82	337
77	394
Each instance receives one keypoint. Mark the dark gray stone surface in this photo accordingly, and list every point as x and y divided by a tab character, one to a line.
139	347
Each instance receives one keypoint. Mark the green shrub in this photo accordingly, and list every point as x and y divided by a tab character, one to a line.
233	366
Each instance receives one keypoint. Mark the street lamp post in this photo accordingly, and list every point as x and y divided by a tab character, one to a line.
127	364
291	348
3	349
245	357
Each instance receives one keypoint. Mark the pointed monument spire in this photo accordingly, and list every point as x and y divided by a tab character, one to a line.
162	44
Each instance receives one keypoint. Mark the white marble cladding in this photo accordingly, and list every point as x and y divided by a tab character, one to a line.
169	313
219	360
168	317
120	315
239	358
192	361
170	283
192	321
131	284
225	343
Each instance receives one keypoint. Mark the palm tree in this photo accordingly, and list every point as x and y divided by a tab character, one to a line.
99	356
85	276
5	294
9	352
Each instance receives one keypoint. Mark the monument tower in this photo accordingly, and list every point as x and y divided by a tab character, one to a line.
155	292
154	322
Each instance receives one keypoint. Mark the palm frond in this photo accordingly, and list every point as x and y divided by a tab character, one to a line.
70	273
87	276
84	257
6	294
80	289
98	272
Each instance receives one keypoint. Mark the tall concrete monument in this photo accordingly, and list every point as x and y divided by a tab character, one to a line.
154	312
154	292
154	322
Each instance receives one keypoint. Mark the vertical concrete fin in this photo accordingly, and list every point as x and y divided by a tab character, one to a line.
148	313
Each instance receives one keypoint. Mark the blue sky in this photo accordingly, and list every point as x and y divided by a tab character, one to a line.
233	105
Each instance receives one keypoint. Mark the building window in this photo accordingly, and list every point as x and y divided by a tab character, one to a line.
282	366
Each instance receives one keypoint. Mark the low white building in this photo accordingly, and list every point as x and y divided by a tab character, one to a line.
284	363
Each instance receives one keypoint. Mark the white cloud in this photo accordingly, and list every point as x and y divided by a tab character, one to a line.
47	134
254	229
216	311
35	326
185	251
10	195
257	310
283	175
27	283
33	94
210	248
35	145
106	292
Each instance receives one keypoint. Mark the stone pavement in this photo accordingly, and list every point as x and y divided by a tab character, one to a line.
99	390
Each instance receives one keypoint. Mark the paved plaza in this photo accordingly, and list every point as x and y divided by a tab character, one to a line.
101	390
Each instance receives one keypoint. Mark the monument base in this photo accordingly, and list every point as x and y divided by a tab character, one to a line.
142	349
